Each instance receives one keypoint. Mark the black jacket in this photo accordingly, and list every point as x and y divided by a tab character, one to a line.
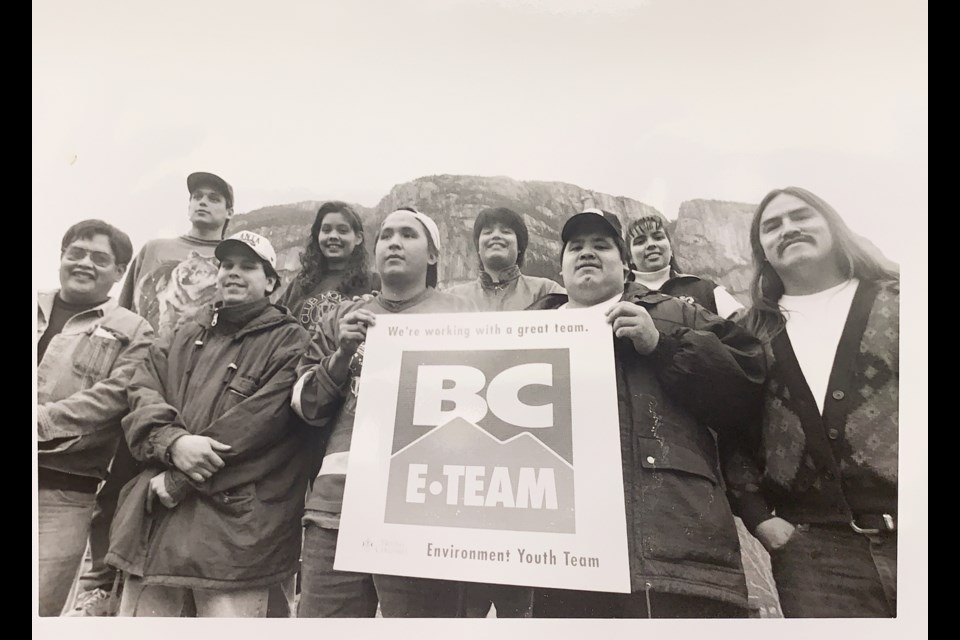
705	370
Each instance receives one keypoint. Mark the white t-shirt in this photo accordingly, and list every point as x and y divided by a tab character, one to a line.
815	323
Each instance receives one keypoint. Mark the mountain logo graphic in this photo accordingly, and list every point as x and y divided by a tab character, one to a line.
483	440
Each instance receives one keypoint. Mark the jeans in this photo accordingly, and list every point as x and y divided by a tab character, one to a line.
63	523
563	603
325	593
141	600
830	571
406	597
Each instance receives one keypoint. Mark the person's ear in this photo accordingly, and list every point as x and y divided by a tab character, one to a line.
229	212
432	258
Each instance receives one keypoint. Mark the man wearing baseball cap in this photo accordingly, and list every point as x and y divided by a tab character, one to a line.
407	258
216	512
168	282
679	368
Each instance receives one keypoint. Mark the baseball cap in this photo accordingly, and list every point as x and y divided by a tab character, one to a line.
591	217
431	226
256	243
199	178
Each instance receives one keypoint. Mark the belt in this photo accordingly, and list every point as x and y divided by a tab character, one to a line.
874	523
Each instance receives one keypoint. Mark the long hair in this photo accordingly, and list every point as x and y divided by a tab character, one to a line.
854	259
646	225
313	264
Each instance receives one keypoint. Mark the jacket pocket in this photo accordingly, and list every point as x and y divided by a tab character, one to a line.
94	357
684	514
238	500
239	389
657	454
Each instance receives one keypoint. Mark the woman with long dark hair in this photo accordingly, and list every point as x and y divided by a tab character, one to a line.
655	266
334	265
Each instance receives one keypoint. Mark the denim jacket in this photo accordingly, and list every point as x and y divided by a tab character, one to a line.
82	385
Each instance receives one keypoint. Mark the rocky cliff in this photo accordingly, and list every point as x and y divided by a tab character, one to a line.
453	202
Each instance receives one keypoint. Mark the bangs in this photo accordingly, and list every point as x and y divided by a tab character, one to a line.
645	226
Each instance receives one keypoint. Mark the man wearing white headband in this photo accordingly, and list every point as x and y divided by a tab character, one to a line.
407	258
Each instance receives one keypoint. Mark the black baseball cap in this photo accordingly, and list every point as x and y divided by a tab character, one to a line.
594	218
200	178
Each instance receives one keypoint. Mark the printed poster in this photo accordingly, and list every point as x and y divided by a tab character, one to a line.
486	448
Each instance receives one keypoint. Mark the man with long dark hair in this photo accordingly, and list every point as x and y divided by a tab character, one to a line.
819	487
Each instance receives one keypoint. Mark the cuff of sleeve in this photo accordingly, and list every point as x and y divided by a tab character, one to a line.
666	348
753	510
162	438
176	484
327	383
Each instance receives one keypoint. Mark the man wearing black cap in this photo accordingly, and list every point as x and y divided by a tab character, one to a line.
169	280
678	368
500	236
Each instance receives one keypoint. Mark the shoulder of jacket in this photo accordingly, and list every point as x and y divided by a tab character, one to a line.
125	321
549	301
689	277
461	288
635	292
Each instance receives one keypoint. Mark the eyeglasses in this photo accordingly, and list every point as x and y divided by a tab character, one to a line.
99	258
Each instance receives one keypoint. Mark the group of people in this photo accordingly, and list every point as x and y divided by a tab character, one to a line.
197	434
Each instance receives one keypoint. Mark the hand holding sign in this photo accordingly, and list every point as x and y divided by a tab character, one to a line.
353	330
632	321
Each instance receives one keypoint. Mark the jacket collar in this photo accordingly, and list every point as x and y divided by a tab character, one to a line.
506	276
45	303
637	292
243	319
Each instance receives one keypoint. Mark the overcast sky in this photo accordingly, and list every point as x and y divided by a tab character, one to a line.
659	100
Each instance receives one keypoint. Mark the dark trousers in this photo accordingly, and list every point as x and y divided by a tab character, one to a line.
563	603
510	601
834	572
406	597
325	593
122	470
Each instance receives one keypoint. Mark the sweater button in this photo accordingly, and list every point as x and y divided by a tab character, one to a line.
651	459
833	434
838	395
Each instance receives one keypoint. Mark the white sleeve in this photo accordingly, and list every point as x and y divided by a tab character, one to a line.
726	303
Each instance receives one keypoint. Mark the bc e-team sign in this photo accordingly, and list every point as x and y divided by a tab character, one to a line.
486	448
